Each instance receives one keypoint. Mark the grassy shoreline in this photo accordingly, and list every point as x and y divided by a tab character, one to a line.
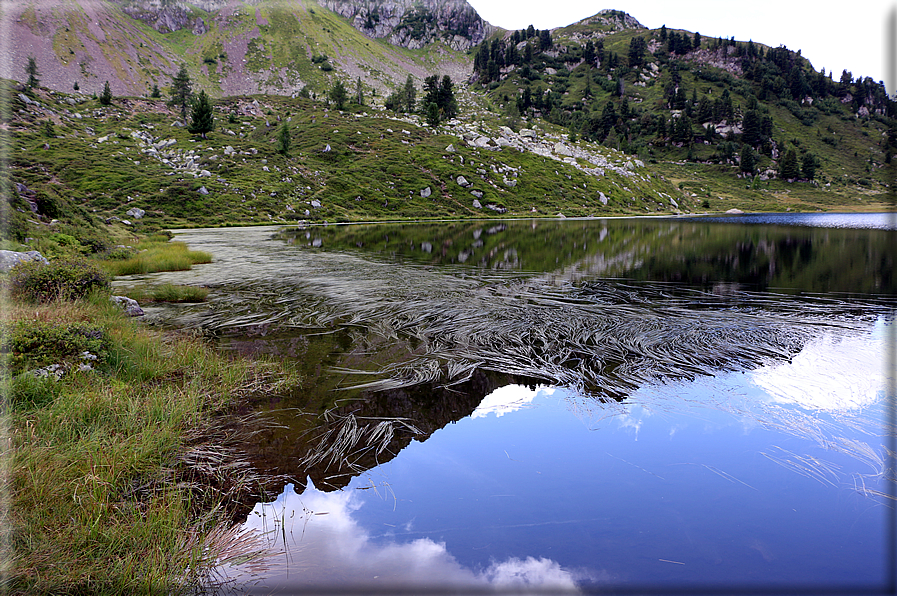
117	479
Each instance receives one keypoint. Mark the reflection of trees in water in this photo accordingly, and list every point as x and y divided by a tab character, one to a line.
806	259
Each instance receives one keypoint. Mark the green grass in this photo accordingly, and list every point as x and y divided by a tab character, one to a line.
167	292
154	256
103	497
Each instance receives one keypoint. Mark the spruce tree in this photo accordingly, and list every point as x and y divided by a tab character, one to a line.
338	95
155	93
809	164
748	160
283	140
788	168
181	91
203	120
33	74
359	92
106	95
410	94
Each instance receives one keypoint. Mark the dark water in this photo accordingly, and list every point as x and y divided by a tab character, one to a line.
622	406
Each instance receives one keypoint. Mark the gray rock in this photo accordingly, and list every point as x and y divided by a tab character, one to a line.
450	149
496	208
426	192
603	198
316	204
129	305
462	181
203	190
477	204
9	258
477	194
327	148
136	212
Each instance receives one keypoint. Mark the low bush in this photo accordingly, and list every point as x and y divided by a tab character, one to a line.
34	344
66	279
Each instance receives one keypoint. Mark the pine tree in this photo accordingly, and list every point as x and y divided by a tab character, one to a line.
809	164
155	93
788	168
359	92
33	74
203	120
106	95
748	160
410	94
181	91
751	128
283	140
338	95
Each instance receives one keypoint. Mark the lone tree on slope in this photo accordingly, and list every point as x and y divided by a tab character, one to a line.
33	74
181	91
203	120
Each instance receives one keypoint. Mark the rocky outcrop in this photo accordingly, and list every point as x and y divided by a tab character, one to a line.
166	16
9	258
415	23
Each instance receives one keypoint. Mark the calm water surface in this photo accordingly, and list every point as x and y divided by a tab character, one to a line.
623	406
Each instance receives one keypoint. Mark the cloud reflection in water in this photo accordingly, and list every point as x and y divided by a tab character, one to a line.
326	547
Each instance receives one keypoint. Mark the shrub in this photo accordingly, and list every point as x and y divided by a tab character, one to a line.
67	279
34	344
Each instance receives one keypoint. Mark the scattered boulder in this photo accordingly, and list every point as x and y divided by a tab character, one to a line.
203	190
426	192
734	211
129	305
316	204
478	194
10	258
135	212
327	148
450	149
462	181
477	204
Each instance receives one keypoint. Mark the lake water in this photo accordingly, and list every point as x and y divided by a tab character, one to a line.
622	406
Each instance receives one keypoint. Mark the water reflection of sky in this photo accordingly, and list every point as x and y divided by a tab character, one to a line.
759	480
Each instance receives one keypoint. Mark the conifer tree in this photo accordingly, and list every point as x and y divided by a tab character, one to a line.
748	160
155	93
338	95
809	164
106	95
410	94
788	168
181	91
203	120
283	140
33	74
359	92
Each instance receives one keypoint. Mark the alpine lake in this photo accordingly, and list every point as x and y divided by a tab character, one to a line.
652	405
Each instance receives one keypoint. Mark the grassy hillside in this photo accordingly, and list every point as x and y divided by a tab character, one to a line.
689	108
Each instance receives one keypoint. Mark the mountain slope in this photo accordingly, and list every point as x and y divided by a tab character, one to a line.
228	47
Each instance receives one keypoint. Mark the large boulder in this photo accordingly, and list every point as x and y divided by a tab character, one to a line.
9	258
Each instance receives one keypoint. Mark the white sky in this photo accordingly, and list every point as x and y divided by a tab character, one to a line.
832	35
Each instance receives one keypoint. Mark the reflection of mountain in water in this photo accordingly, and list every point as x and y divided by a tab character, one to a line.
696	253
400	338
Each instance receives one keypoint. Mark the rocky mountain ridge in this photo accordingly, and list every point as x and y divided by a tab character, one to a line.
415	23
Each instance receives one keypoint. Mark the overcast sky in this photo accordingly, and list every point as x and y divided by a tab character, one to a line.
832	35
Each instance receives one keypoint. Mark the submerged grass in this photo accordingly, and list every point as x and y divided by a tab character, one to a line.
109	489
167	292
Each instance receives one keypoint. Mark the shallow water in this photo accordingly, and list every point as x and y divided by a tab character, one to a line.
629	405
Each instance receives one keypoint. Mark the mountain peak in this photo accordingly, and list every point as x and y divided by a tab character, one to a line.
612	20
